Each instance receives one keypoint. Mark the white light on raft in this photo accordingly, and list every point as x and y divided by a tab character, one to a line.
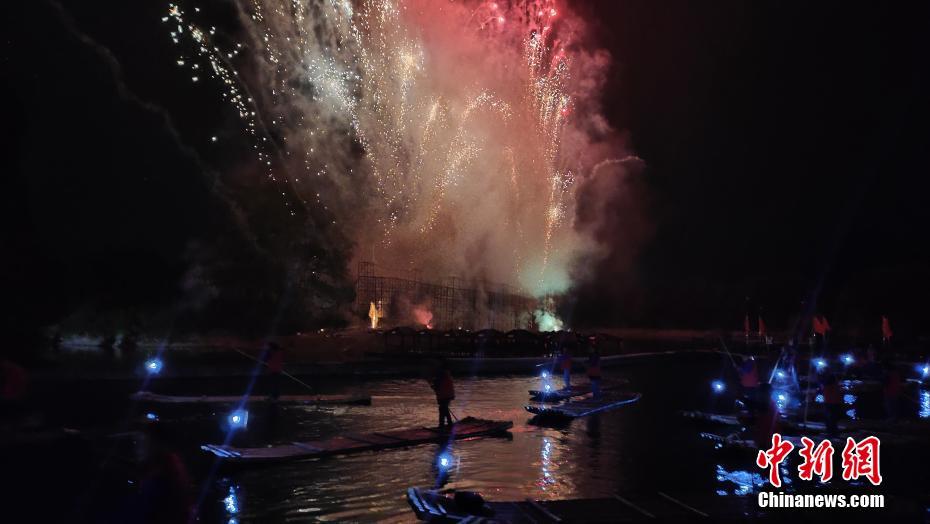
238	419
445	461
718	386
924	370
153	366
545	374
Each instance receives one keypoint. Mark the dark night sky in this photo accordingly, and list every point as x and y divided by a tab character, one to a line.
785	143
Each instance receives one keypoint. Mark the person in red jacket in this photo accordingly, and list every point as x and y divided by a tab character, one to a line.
767	418
564	362
832	401
445	393
749	381
892	389
164	495
274	361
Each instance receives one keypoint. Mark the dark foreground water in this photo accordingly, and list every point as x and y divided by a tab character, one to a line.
639	447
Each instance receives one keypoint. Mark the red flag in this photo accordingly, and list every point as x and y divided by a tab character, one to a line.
761	327
821	326
746	325
886	328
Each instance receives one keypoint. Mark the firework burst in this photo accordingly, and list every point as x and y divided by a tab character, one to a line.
432	130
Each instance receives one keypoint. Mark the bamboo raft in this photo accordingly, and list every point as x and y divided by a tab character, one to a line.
658	506
903	427
641	506
314	400
556	395
466	428
584	407
736	442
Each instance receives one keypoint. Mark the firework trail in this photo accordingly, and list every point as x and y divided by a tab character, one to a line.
445	136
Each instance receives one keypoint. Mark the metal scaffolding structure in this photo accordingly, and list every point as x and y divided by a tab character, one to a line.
454	303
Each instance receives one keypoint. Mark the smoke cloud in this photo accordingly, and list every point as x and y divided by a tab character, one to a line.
455	138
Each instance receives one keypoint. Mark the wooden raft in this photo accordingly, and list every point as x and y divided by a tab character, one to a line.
585	407
352	443
316	400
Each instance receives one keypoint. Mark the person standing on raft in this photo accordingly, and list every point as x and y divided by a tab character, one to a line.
274	361
749	381
594	373
445	393
833	403
564	362
766	417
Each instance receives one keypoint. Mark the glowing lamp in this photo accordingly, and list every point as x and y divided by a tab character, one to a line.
923	369
820	363
819	398
151	416
718	386
153	366
445	461
548	387
238	419
847	359
545	374
781	397
780	374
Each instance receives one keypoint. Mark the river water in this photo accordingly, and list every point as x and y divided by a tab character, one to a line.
639	447
621	450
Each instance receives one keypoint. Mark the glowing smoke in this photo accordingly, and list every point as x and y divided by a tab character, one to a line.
423	316
443	136
547	320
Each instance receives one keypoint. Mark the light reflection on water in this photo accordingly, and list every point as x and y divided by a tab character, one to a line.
593	457
639	447
744	481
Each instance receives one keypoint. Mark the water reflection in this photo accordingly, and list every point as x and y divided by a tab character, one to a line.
596	457
924	410
444	463
744	481
545	464
231	505
850	400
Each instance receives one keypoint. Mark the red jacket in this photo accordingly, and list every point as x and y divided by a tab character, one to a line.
767	423
749	375
275	361
443	386
13	381
893	384
832	394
